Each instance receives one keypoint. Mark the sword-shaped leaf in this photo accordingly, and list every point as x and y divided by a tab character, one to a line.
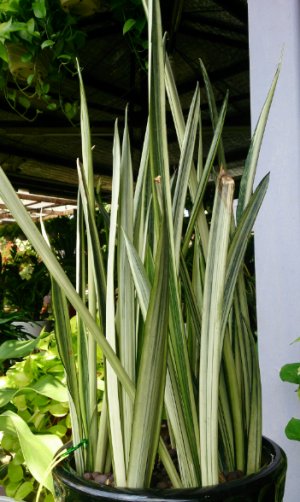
239	243
211	340
112	386
246	186
152	374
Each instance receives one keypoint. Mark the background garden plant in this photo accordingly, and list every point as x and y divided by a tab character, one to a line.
33	404
291	373
38	45
176	339
24	280
33	392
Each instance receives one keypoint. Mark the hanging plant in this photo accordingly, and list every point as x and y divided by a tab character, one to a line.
130	14
38	45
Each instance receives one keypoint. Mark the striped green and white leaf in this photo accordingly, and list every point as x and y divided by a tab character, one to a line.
211	339
112	386
247	181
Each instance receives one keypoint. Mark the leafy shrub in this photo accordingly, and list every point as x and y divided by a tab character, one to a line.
24	280
291	373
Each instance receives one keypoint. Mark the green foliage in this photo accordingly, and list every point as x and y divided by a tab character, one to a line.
62	235
291	373
8	330
292	429
15	349
132	17
26	454
33	388
38	45
24	280
9	232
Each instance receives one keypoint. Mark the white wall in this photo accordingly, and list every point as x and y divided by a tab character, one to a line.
275	25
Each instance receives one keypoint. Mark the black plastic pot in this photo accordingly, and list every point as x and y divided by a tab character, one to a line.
265	486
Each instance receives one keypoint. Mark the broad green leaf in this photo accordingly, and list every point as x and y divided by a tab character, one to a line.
39	8
15	349
11	26
59	430
30	25
30	79
6	395
292	429
24	490
5	28
47	43
3	52
58	410
10	6
52	107
52	387
290	373
128	25
47	385
25	102
38	450
15	472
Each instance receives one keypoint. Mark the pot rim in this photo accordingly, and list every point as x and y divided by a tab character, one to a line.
274	453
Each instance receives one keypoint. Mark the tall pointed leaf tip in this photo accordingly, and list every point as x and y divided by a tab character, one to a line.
249	172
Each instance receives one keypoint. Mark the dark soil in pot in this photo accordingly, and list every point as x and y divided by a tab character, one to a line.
265	486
